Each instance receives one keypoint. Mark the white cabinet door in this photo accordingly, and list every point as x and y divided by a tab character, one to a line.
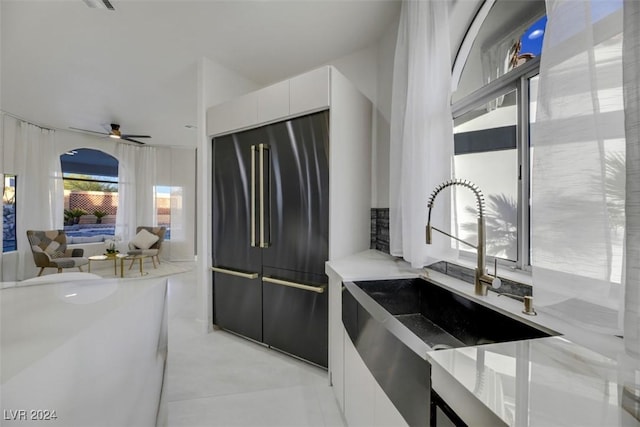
365	403
336	338
309	91
359	392
273	102
384	411
233	115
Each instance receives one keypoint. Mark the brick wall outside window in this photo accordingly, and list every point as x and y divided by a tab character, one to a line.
91	201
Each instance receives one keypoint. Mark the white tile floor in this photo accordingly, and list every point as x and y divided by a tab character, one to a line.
219	379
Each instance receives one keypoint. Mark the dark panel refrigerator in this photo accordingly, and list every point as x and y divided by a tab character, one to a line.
270	234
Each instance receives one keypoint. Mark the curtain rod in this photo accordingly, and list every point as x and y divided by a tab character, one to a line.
6	113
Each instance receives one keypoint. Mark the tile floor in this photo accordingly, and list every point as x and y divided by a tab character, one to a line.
219	379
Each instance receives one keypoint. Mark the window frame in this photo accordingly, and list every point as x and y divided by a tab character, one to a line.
516	79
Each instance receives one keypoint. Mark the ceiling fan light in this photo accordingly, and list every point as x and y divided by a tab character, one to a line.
114	136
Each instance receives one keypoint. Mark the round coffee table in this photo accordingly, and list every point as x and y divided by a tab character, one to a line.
113	258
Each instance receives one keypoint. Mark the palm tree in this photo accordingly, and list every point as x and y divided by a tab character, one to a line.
501	223
615	177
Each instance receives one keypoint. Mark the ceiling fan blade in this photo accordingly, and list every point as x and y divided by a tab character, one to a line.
135	136
90	131
132	140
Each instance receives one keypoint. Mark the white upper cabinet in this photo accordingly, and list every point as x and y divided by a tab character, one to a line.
239	113
308	92
273	102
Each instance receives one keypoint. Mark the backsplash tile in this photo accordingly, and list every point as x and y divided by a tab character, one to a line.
380	229
468	275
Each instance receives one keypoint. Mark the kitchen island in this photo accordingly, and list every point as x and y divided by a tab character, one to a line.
83	351
576	378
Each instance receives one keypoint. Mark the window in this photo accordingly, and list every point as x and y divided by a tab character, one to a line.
491	112
90	180
9	242
486	153
164	196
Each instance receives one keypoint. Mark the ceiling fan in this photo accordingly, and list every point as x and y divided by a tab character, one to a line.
116	134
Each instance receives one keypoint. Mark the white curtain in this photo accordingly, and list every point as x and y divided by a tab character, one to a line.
421	130
577	214
495	63
39	191
136	191
631	74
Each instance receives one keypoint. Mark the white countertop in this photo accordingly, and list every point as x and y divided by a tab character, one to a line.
574	379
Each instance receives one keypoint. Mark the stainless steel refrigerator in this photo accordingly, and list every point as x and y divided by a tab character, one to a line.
270	234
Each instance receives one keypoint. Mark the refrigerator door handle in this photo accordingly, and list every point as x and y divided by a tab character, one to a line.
254	149
235	273
265	197
316	289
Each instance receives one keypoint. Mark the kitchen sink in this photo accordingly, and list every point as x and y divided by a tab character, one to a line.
444	319
395	324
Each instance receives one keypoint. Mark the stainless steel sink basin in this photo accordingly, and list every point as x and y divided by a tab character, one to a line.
442	318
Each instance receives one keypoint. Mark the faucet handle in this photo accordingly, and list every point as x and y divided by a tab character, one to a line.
496	283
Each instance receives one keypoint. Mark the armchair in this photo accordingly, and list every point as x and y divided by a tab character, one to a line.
49	249
139	246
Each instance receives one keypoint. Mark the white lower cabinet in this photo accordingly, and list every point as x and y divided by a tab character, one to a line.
365	403
385	412
336	338
359	394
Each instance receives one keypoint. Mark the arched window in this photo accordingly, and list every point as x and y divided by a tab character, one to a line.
90	193
493	107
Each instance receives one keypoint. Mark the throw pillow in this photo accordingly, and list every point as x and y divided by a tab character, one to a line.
54	250
144	239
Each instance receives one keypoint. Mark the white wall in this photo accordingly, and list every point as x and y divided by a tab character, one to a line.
371	71
386	53
176	168
360	68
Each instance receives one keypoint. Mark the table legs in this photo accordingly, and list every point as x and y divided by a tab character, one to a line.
115	265
140	259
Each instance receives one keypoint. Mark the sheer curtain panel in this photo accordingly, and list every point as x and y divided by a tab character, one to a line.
631	73
126	214
578	139
421	130
136	191
40	200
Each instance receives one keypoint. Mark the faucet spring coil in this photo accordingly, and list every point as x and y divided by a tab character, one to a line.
480	206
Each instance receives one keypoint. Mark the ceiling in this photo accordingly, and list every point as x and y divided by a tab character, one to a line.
65	64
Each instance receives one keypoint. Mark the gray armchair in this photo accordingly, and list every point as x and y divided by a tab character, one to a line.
49	249
152	251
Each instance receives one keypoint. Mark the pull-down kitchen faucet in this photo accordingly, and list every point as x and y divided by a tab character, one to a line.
482	280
